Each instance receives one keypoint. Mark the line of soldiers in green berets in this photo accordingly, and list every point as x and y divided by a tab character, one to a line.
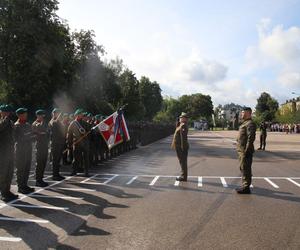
71	138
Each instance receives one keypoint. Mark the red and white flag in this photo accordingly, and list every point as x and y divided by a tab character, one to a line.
114	129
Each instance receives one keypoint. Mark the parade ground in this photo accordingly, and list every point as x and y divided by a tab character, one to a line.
134	202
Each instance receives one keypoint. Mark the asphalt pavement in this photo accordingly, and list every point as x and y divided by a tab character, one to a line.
134	202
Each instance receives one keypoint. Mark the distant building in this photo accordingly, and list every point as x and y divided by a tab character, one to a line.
292	105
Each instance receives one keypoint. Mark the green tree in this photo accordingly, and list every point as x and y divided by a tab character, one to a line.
266	107
36	52
150	94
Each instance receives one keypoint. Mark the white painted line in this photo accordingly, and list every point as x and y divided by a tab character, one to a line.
77	189
177	182
251	185
56	197
294	182
223	182
38	206
154	180
10	239
23	220
110	179
87	179
271	182
132	180
22	197
200	184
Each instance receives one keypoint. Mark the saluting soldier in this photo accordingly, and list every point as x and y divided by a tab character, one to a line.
263	136
79	142
23	147
245	149
181	145
6	153
57	143
41	132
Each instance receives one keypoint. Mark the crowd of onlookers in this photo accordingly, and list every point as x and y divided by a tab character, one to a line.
286	128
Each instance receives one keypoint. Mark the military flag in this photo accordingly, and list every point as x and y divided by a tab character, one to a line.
114	129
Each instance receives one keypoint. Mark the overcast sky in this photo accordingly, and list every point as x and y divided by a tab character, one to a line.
231	50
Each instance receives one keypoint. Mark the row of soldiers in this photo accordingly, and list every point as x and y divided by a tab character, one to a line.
72	138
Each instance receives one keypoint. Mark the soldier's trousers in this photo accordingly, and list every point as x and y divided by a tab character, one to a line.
23	163
6	169
81	156
182	157
246	169
41	160
57	151
263	141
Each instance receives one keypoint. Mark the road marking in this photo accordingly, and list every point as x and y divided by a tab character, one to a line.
56	197
176	183
223	182
38	191
271	182
200	184
38	206
110	179
251	186
76	189
87	179
294	182
10	239
132	180
154	180
23	220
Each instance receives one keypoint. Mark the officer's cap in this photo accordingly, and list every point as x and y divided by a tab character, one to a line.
56	110
40	112
6	108
247	109
79	112
183	114
21	111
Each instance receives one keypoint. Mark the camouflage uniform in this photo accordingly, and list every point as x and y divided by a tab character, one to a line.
245	149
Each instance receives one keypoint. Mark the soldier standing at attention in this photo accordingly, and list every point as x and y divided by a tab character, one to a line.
6	153
23	147
57	143
263	136
41	132
245	149
77	139
181	145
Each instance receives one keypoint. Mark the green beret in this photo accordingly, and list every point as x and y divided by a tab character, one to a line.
21	111
79	112
98	116
55	110
89	115
40	112
6	108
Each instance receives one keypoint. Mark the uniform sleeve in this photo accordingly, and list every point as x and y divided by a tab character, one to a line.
4	123
184	139
251	132
69	138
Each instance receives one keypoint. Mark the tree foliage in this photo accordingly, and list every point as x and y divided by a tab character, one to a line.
266	107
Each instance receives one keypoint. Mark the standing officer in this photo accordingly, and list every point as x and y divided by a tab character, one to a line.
263	136
181	145
23	147
41	132
6	153
57	143
245	149
77	139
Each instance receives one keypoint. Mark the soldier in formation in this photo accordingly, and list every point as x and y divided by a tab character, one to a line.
263	136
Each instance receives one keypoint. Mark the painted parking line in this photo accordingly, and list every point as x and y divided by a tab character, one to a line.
200	183
225	185
90	178
294	182
131	180
176	184
110	179
56	197
39	207
271	183
10	239
154	180
23	220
